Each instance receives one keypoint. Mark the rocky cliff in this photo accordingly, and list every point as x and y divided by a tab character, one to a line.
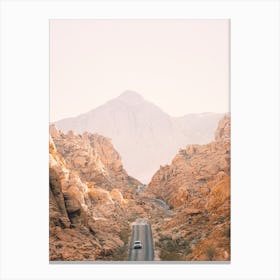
197	186
71	230
88	206
94	159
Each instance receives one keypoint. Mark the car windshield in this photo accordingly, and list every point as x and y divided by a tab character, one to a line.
135	242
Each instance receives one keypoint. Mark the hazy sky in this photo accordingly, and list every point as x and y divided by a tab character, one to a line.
180	65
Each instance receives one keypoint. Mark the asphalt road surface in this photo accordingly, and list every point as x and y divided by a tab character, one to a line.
143	232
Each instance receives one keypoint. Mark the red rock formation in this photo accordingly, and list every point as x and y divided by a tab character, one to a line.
192	169
86	219
70	226
94	159
197	186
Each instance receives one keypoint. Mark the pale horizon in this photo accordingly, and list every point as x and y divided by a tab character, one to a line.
92	109
181	66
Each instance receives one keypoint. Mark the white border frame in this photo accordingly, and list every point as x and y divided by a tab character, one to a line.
255	137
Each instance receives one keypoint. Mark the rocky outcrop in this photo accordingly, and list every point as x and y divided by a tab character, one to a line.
70	225
192	172
197	185
94	159
88	212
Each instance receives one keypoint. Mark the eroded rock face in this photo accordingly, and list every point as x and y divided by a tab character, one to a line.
87	211
66	212
223	131
94	159
193	170
197	186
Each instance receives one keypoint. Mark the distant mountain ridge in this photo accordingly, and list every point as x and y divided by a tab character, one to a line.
144	135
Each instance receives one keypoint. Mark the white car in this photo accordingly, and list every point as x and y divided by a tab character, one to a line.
137	244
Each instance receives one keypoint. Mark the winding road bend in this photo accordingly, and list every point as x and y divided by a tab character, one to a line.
142	231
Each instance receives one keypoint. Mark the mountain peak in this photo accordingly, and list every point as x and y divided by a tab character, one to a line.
131	97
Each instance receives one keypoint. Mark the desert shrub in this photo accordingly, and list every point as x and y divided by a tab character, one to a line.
227	232
171	245
210	252
188	250
121	253
170	256
124	235
173	250
133	216
164	238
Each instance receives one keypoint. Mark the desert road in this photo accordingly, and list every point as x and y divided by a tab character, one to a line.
143	232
